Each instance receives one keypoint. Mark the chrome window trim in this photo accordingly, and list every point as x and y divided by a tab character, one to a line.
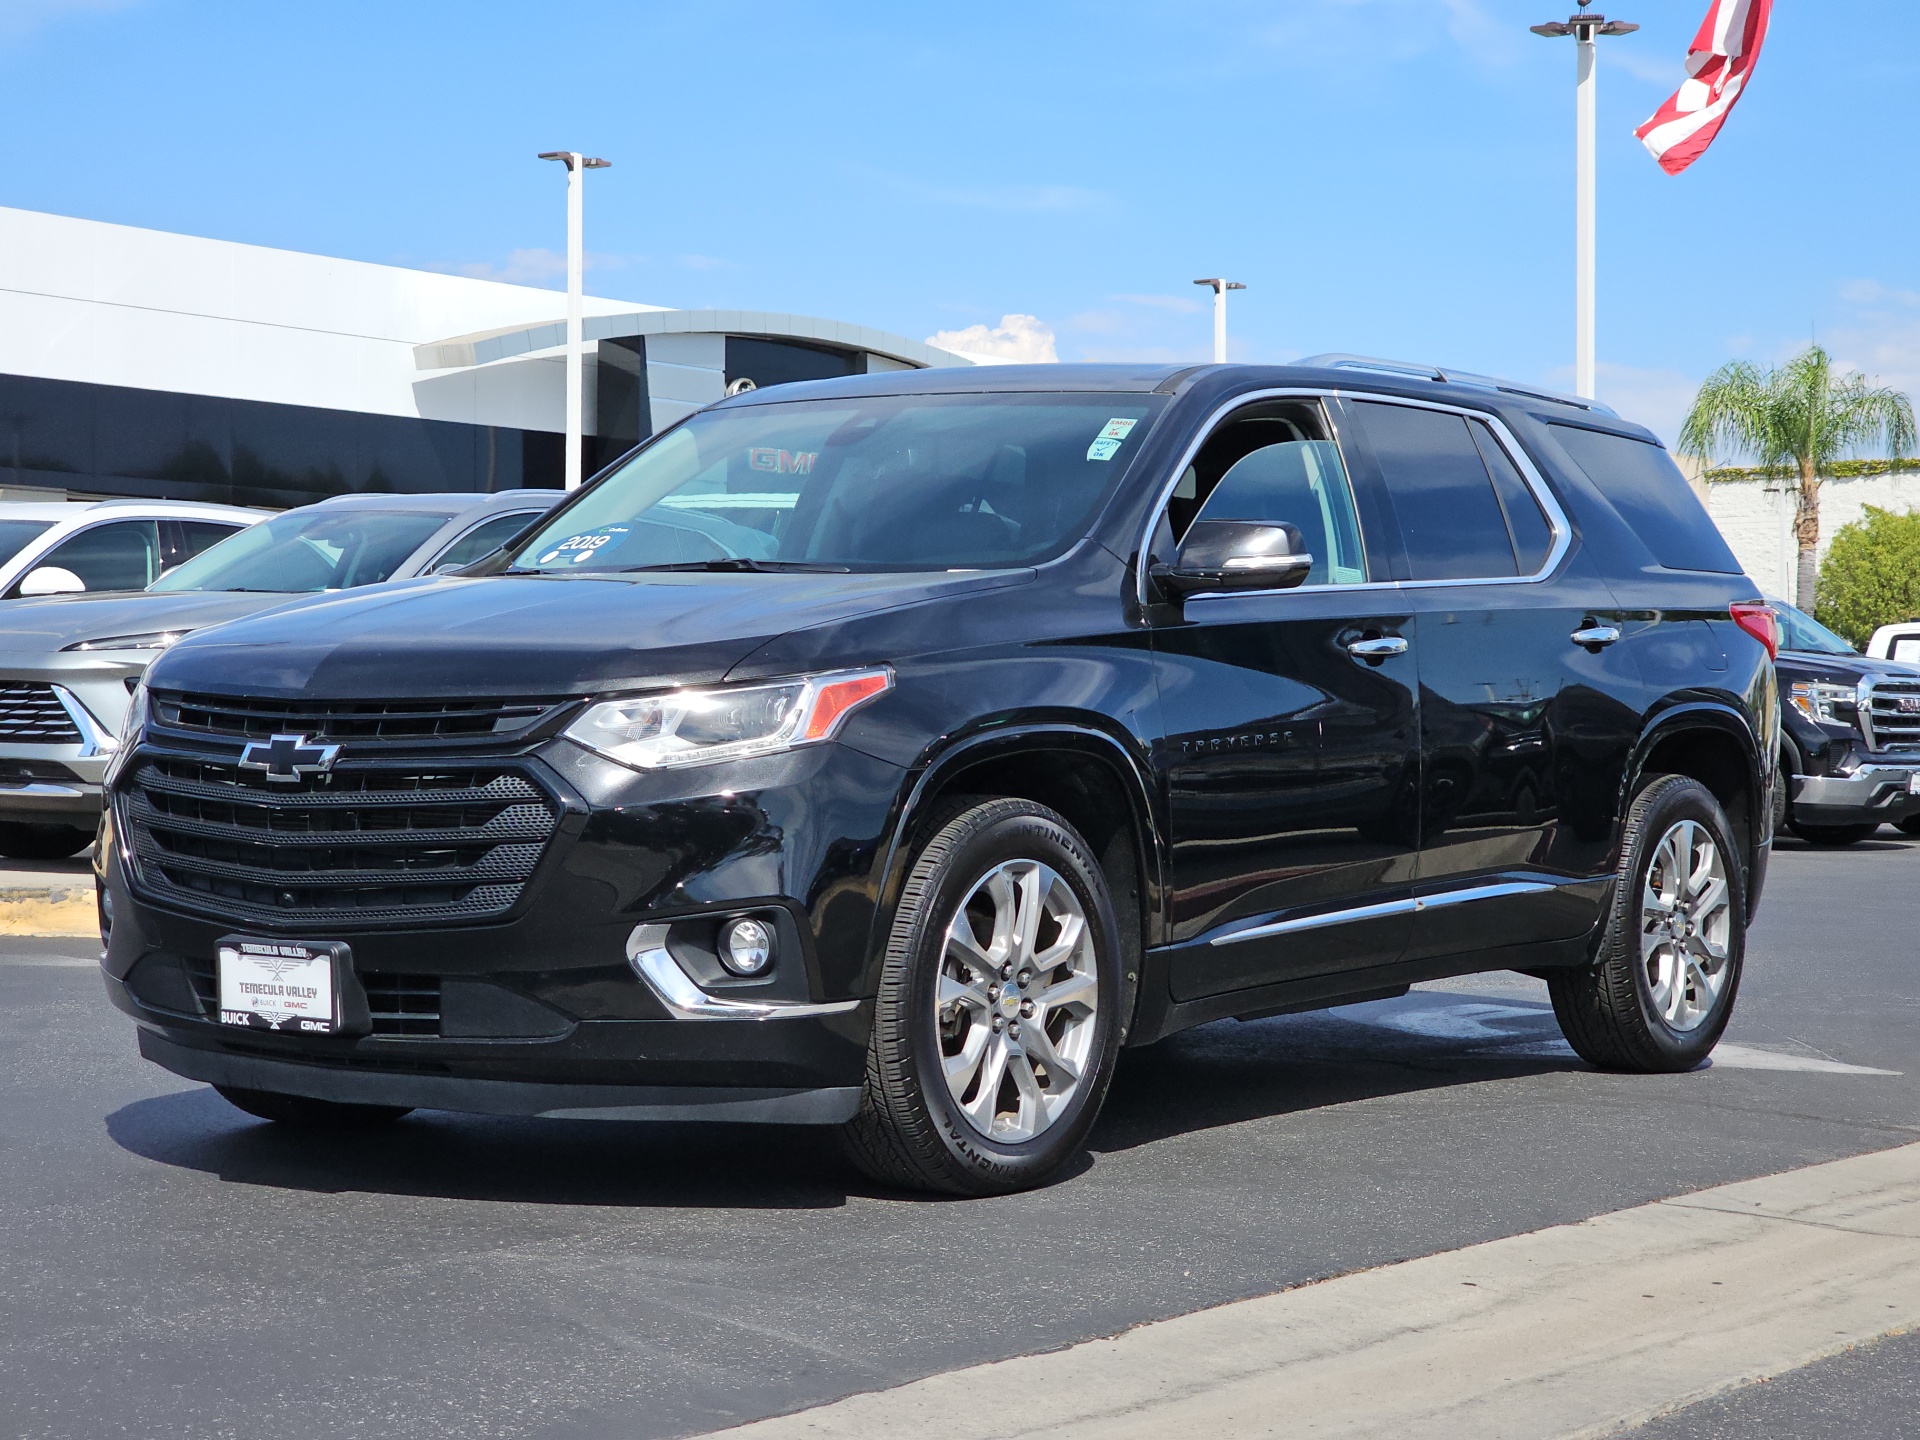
1413	906
1543	493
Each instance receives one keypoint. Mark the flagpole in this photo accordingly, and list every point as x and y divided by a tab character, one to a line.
1585	28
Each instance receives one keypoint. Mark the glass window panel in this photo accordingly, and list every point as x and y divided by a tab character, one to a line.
1450	518
307	550
1303	483
123	555
16	535
1652	496
484	539
1532	531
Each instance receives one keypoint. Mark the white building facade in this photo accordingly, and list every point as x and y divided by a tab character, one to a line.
137	362
1756	516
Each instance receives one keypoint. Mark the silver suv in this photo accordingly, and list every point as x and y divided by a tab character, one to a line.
66	547
69	662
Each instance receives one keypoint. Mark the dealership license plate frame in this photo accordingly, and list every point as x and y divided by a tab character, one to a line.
293	986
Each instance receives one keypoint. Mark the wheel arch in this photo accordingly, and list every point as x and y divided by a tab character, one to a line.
1715	745
1094	779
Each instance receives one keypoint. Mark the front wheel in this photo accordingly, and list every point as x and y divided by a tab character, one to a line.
1670	959
42	842
302	1112
995	1026
1910	825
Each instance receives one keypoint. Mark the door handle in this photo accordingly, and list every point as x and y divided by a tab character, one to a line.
1377	649
1596	637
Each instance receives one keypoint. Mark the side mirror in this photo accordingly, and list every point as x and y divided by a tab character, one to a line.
52	580
1222	555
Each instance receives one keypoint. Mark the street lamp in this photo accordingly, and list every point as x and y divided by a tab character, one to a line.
1584	27
1220	289
576	163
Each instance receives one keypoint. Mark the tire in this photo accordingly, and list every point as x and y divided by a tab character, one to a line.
1910	825
1626	1012
301	1112
977	876
1781	780
42	842
1833	835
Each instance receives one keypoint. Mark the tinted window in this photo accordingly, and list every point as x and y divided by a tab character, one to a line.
307	550
1303	483
1527	522
1450	518
484	539
123	555
15	535
1652	496
184	539
871	483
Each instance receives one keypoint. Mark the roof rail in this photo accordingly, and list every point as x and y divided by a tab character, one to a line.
1336	361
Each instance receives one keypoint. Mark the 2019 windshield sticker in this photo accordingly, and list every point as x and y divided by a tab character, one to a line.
1111	437
781	462
578	549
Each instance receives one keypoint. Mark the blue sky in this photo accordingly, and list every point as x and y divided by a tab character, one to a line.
1391	177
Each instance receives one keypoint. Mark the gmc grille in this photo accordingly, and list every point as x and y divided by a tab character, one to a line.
361	847
1891	717
230	717
31	714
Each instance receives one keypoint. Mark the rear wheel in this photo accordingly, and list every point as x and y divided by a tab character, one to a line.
42	842
1910	825
1833	835
995	1026
302	1112
1670	961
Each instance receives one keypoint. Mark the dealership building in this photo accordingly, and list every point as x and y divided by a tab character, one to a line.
141	363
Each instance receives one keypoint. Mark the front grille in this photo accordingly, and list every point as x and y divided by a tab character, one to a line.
400	1004
360	847
231	717
31	714
1891	718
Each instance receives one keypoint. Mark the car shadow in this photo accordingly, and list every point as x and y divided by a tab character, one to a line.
1219	1074
1883	841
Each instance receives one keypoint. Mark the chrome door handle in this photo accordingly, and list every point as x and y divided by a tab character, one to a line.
1378	649
1596	636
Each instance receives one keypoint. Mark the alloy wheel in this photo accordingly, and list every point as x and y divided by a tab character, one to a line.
1686	926
1016	1000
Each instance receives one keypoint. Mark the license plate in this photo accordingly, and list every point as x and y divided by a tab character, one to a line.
280	984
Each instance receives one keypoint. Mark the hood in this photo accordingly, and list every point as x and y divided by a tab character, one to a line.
44	624
1842	669
533	635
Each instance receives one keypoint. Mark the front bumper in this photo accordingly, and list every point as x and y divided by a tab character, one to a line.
1875	793
554	1009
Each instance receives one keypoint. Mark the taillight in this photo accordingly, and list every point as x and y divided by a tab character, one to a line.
1759	621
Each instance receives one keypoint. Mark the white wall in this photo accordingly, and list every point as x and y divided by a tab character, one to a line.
1756	516
115	305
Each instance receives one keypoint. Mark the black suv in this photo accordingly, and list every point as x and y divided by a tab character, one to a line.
887	753
1850	744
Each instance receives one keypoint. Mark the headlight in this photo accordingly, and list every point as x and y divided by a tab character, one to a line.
1826	704
151	640
696	727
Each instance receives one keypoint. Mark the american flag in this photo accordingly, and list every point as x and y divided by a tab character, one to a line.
1721	57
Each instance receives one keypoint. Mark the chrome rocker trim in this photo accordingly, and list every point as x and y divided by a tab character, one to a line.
1390	907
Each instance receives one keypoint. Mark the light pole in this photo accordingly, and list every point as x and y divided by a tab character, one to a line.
576	163
1584	27
1220	289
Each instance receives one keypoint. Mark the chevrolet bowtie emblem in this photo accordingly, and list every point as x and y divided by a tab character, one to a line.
288	757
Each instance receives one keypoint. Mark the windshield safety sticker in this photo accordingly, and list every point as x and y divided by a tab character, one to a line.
578	549
1112	436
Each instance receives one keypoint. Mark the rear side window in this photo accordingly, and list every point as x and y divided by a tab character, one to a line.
1532	534
1451	520
1652	496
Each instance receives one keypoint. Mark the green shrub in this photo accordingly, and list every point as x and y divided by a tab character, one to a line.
1871	576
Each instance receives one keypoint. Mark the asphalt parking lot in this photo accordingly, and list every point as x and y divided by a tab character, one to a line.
174	1267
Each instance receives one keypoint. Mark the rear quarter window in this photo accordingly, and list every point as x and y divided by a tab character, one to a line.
1652	496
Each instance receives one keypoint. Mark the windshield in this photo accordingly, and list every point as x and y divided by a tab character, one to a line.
307	550
919	482
1800	631
15	534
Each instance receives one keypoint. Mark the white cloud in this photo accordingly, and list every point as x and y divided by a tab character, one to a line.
1016	340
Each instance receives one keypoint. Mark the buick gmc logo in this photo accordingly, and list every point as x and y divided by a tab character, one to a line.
287	757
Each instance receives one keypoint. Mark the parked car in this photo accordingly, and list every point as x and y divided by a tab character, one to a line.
1850	741
64	547
69	662
1896	642
887	752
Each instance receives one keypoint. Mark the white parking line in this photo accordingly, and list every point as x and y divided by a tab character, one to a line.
1567	1332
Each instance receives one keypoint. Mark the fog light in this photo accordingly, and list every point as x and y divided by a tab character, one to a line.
746	946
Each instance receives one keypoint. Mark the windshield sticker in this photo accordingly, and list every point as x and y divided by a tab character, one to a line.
781	462
1111	437
578	549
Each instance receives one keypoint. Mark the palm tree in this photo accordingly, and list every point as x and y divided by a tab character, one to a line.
1798	414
